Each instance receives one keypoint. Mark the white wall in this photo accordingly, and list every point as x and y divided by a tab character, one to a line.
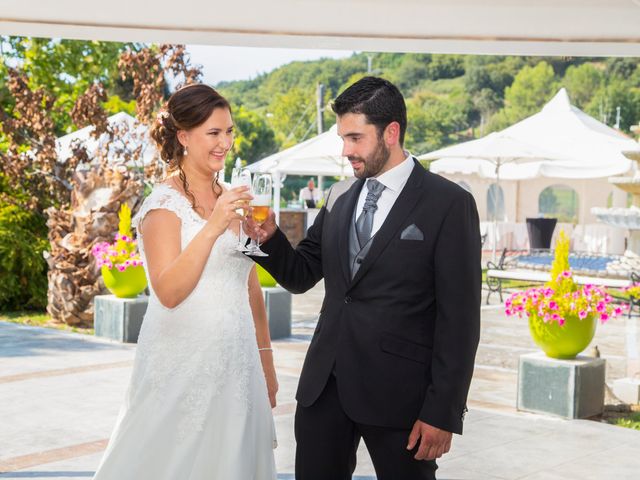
521	197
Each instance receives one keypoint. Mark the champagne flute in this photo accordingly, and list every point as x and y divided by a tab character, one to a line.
260	208
241	177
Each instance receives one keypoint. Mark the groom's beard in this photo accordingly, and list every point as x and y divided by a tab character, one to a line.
374	163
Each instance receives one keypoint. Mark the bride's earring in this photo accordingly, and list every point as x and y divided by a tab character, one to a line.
185	153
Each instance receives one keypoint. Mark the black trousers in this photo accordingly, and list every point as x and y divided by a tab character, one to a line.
327	440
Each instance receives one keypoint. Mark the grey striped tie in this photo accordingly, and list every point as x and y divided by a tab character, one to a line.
364	223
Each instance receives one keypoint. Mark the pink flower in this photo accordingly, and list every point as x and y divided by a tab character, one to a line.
604	317
582	314
553	305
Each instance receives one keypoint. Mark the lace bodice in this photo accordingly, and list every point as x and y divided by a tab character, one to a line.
210	336
224	264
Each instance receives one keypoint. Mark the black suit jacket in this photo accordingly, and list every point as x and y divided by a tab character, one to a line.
403	332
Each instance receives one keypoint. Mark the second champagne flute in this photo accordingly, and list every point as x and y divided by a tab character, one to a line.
260	208
241	179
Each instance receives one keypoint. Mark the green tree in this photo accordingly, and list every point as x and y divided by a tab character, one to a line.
616	93
254	139
23	269
413	69
445	66
434	121
582	82
622	67
293	115
531	89
66	68
493	73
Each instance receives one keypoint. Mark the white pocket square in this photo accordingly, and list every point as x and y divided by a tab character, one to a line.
412	233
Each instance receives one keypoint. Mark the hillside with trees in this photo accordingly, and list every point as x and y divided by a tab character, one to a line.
450	98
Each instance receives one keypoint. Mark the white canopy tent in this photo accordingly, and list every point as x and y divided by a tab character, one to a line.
132	135
580	147
320	155
501	27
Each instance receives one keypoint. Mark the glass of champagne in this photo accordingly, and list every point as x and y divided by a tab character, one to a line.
241	177
260	208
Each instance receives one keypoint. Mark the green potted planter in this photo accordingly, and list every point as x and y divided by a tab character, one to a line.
119	262
563	341
127	284
265	278
562	315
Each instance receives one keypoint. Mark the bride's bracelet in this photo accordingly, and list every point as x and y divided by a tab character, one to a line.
268	349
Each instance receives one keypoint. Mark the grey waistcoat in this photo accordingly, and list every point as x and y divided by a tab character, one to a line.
356	254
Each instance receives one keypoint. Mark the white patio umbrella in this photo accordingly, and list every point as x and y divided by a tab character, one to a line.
320	155
496	151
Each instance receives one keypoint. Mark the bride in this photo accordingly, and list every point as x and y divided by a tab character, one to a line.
203	381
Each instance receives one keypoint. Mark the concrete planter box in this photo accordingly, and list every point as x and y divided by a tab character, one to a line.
119	318
278	303
565	388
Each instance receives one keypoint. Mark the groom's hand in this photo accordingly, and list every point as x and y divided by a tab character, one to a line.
434	442
264	231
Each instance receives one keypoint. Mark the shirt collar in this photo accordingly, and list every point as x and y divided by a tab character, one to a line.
395	178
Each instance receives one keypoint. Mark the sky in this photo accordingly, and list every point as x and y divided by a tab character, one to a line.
243	63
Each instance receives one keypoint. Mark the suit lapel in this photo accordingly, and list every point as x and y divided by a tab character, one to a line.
402	207
345	215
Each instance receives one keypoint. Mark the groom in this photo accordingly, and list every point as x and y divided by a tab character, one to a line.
392	356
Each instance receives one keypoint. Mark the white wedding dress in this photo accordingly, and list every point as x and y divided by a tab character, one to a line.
197	407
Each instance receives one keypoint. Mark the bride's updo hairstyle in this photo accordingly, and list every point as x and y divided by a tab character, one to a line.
187	108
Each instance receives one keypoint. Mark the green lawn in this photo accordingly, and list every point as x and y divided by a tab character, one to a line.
623	419
632	421
40	319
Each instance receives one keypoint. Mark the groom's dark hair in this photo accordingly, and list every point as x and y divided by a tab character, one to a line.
378	100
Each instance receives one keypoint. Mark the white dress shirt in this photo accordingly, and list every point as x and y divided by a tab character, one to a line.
394	181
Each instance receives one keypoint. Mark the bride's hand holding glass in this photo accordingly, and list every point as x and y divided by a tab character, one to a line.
226	209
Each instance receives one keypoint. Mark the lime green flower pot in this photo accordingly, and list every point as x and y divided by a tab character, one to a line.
564	341
127	284
265	278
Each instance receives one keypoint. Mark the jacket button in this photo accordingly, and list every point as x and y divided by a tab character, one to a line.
347	299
